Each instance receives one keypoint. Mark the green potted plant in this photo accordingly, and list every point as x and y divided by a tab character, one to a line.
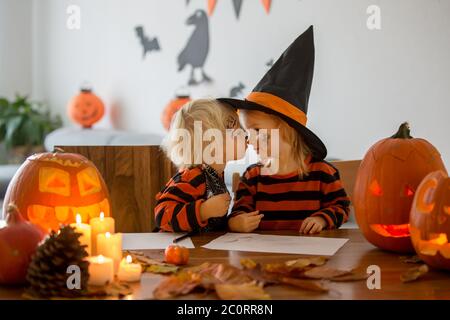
23	127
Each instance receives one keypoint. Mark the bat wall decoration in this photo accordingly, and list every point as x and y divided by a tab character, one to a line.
148	44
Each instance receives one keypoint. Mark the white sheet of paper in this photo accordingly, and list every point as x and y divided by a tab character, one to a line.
155	240
277	244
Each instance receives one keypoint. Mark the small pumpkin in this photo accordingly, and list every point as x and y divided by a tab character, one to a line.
173	106
52	188
18	242
86	108
430	220
386	181
177	255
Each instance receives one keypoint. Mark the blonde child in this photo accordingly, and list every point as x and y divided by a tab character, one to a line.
196	198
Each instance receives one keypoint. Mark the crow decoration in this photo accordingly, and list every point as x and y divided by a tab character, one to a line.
148	45
237	90
197	47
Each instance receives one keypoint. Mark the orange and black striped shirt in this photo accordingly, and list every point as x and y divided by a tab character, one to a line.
286	200
178	204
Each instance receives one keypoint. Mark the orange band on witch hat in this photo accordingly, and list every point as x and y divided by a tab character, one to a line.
279	105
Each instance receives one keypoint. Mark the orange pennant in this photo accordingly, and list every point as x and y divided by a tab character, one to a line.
211	6
266	4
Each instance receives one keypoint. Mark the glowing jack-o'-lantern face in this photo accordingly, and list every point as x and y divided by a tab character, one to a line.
385	186
430	220
51	188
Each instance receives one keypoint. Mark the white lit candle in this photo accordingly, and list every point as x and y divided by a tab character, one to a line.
129	271
85	231
110	245
100	225
101	270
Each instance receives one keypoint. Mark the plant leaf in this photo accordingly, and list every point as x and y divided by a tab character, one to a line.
246	291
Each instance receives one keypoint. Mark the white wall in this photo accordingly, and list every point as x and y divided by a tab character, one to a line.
366	82
15	47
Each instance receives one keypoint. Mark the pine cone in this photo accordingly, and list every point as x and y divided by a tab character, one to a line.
47	273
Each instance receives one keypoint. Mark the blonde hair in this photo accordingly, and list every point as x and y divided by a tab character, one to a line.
211	113
300	149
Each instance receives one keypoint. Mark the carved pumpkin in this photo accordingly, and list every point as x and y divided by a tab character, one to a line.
51	188
430	220
385	185
173	106
86	108
18	242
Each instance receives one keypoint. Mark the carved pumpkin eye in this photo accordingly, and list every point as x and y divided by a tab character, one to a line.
408	191
425	202
54	180
88	182
376	189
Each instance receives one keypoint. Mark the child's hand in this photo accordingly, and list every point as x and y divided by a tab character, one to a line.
214	207
313	225
245	222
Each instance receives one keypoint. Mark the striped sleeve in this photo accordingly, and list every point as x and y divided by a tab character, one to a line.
335	202
178	204
244	200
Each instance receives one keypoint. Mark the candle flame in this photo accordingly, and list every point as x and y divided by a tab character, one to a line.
129	259
78	218
102	216
108	235
101	259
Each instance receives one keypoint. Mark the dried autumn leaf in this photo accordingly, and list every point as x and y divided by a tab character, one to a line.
306	262
324	272
248	263
161	269
148	261
310	285
411	259
179	284
246	291
353	276
115	289
414	273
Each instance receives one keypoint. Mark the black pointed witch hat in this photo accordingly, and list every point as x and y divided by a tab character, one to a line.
284	90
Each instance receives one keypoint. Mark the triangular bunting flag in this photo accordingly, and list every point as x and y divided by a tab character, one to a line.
266	4
211	6
237	4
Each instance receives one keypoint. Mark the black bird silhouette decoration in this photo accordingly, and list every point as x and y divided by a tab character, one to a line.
237	90
148	45
197	47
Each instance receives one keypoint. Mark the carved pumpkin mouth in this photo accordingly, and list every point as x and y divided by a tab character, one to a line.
53	216
391	230
437	243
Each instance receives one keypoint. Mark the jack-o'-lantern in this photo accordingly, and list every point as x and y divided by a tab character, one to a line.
86	108
52	188
173	106
385	185
430	220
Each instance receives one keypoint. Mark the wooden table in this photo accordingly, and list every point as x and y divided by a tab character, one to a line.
356	253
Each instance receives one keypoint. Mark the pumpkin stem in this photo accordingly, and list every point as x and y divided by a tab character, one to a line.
13	215
58	150
403	132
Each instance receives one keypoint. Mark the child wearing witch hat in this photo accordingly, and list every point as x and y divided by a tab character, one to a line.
302	191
